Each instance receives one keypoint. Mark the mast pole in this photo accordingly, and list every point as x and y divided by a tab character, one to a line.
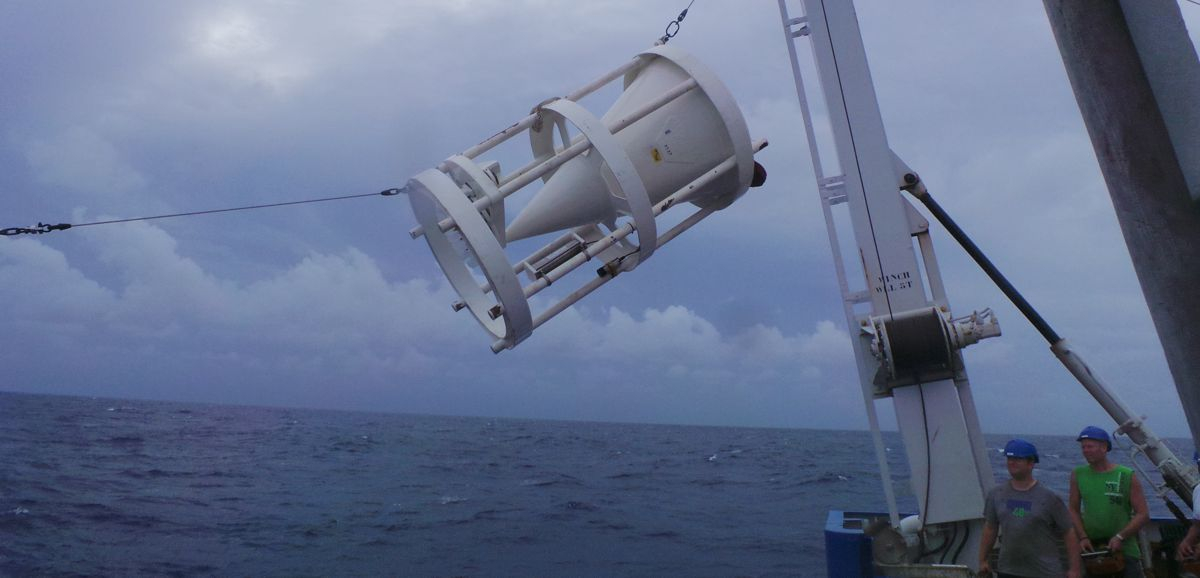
1136	78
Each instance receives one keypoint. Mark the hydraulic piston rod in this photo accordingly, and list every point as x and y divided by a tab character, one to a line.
1179	477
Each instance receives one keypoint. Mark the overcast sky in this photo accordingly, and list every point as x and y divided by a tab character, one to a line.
123	109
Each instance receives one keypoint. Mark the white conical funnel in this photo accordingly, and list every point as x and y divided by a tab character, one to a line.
669	148
574	196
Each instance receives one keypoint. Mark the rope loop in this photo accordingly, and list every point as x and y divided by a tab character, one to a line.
673	26
671	31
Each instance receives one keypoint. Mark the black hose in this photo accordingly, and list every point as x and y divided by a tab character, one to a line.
998	278
966	538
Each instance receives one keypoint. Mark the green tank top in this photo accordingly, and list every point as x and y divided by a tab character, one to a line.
1106	506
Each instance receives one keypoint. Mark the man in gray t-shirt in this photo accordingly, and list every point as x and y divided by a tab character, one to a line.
1029	517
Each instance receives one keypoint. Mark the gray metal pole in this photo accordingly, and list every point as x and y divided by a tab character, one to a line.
1139	161
1173	71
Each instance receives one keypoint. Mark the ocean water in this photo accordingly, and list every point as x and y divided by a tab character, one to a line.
101	487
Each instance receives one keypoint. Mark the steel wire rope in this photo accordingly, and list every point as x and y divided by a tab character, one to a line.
858	167
928	452
43	228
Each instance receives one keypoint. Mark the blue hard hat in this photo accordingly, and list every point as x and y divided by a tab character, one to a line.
1019	448
1092	432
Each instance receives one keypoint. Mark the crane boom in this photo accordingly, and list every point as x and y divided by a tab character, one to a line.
905	338
907	344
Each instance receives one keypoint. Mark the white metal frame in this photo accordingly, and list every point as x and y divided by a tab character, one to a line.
462	198
950	471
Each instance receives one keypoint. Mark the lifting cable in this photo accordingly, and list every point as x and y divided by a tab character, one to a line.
43	228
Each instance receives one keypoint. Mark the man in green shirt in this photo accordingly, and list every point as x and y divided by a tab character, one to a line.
1106	502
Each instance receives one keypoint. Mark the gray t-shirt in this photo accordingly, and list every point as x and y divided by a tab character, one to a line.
1030	522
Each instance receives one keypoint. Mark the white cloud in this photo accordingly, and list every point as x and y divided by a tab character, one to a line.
334	318
677	343
253	48
40	285
81	160
208	105
232	35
